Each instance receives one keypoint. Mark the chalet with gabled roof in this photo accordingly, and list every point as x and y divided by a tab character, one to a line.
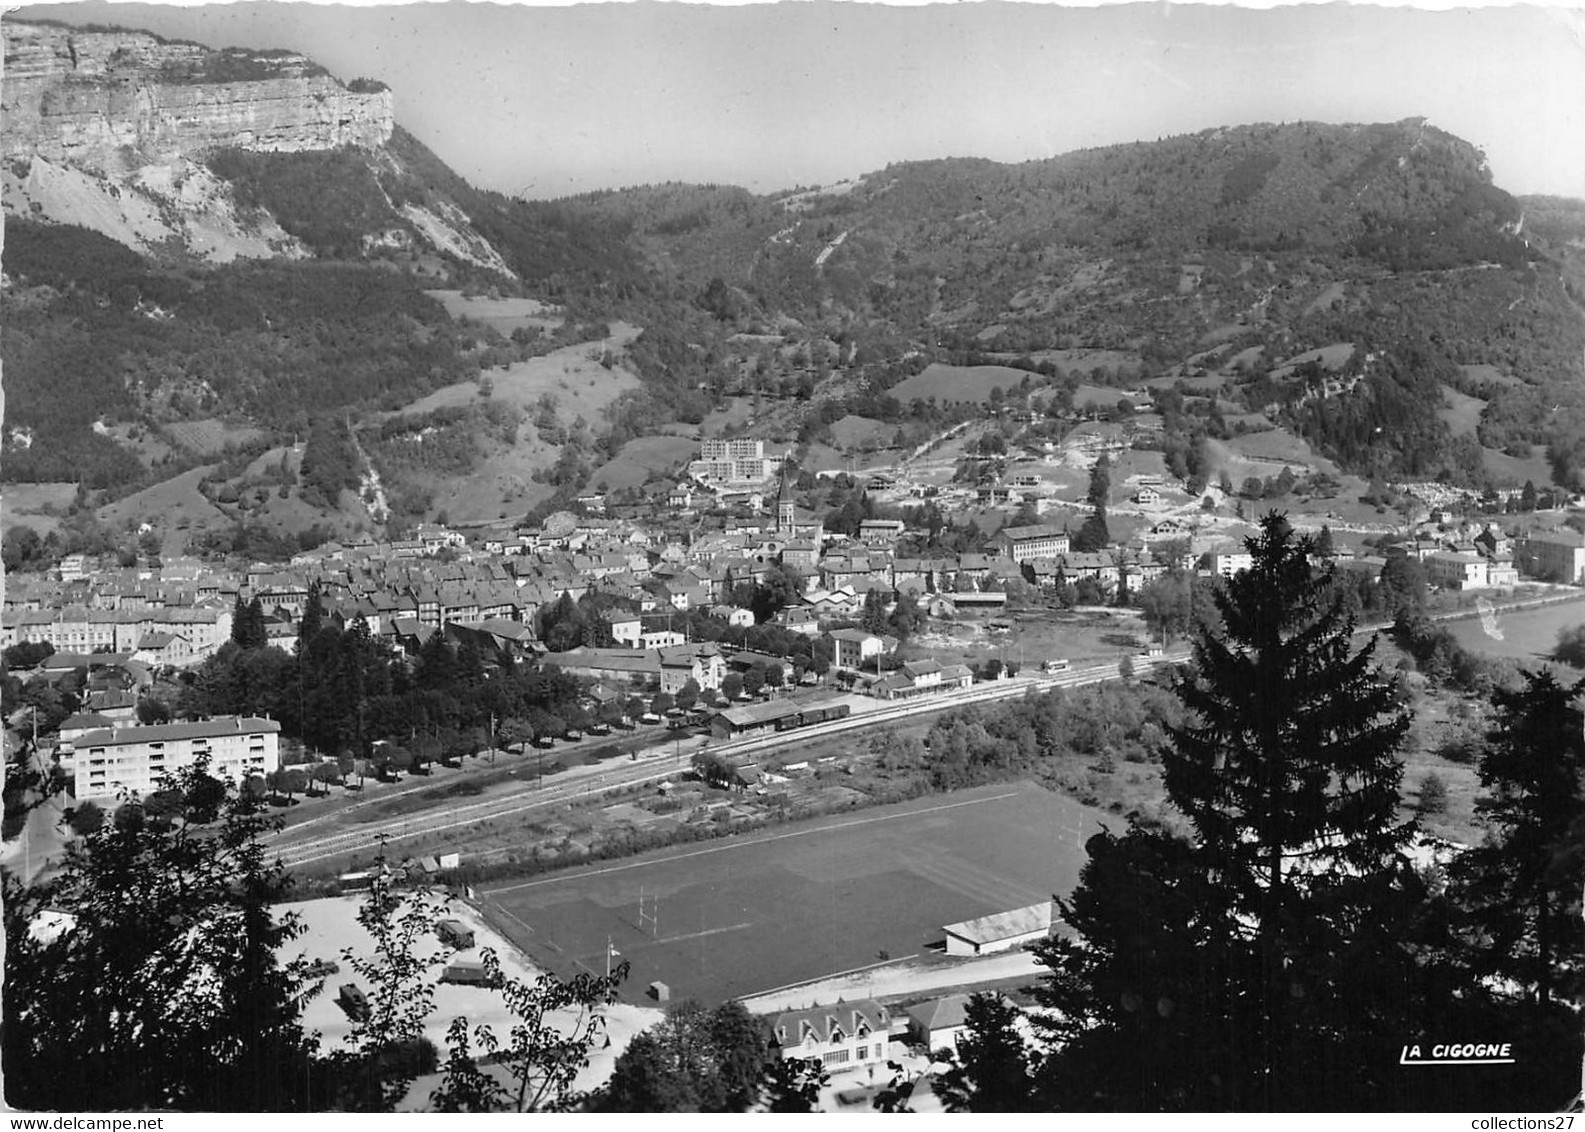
848	1035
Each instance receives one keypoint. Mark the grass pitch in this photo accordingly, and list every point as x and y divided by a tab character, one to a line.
736	917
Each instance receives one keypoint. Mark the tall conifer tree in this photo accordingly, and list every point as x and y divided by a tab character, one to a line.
1280	927
1522	885
1288	771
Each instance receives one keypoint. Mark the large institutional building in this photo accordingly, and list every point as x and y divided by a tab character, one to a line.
1554	554
135	758
1024	544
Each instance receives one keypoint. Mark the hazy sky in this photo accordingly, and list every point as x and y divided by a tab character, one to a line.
546	101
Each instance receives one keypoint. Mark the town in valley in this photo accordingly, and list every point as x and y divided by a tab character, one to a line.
1089	633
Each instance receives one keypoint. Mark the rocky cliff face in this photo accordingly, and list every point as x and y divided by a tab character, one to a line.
112	102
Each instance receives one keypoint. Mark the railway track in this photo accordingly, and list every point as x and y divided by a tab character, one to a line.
295	850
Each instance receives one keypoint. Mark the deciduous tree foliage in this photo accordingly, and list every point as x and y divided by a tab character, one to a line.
697	1060
164	990
555	1026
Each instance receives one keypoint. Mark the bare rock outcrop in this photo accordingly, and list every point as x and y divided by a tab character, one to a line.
114	101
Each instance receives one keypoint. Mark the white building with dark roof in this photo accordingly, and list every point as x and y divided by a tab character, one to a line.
1041	541
848	1035
134	759
1455	571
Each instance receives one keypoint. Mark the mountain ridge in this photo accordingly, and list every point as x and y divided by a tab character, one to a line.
1219	253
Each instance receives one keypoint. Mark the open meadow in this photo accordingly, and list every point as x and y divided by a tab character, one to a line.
749	914
175	503
1329	357
37	505
1514	471
642	457
1088	636
572	375
1460	412
503	314
1527	636
958	383
209	437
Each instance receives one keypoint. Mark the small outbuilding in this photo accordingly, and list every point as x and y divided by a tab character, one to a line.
937	1024
350	998
660	992
1001	931
467	971
454	934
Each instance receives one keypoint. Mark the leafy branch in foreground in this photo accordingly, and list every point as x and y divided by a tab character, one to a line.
145	974
387	1049
555	1026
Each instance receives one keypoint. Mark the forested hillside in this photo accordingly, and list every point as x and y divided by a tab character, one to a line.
1220	255
1252	243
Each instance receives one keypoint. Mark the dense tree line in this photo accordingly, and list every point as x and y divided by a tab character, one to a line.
341	691
1097	727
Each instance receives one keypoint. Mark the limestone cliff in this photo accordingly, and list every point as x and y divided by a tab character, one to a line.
114	101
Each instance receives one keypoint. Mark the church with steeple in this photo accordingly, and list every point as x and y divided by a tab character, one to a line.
799	533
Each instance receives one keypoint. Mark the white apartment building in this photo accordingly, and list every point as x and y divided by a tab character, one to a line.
733	461
739	449
1227	563
135	758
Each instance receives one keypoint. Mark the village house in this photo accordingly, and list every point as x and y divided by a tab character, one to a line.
1453	571
703	664
841	1037
798	619
939	1023
880	532
1099	568
733	615
625	627
854	647
1493	543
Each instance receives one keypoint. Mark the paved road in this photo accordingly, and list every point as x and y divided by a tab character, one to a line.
893	979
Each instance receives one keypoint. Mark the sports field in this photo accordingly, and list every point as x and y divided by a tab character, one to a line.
740	916
1527	636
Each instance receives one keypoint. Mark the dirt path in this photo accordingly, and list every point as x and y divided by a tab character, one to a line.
897	979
